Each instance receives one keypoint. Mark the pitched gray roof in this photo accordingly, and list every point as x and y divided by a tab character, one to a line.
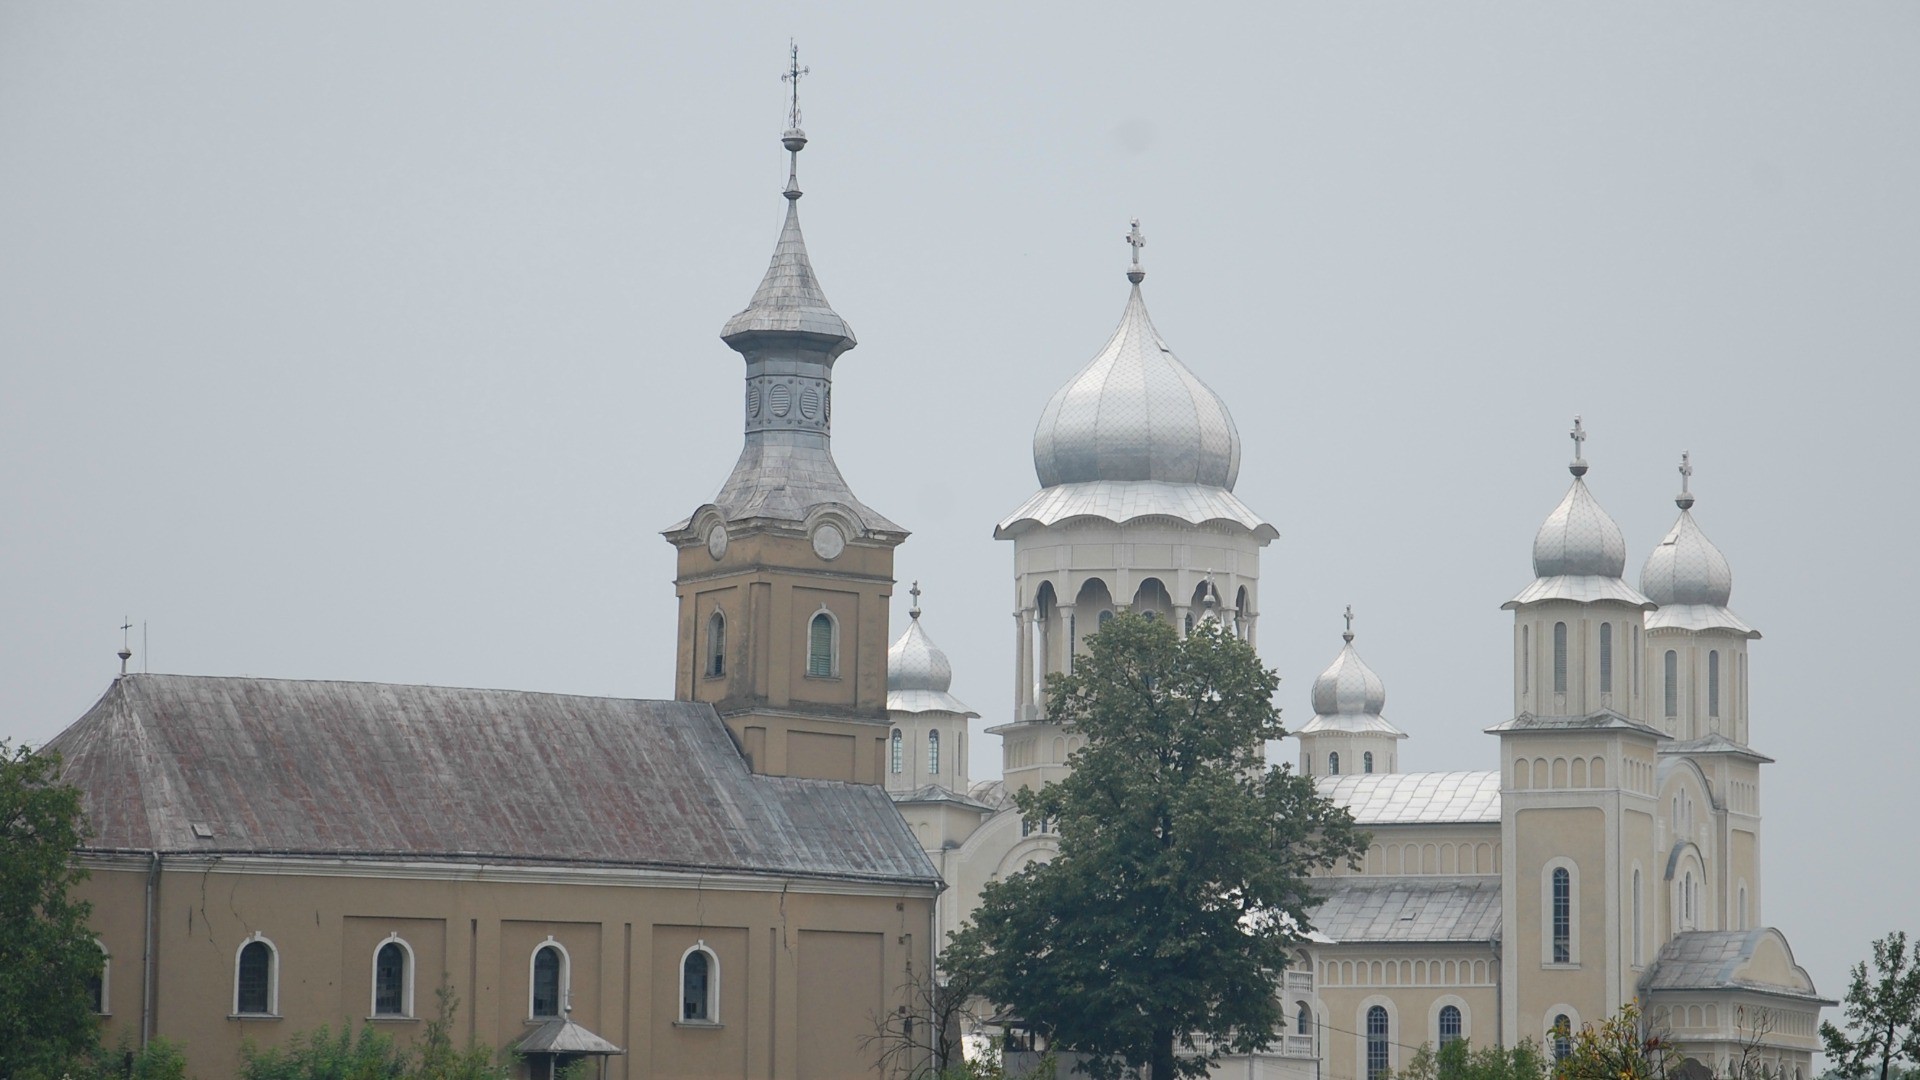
1367	909
427	772
1714	959
1415	798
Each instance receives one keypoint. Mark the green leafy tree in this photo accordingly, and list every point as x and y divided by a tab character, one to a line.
1624	1046
47	954
1882	1011
1157	936
322	1055
1458	1060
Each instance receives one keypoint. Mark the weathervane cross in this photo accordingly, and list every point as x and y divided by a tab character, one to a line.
792	77
1579	436
1136	241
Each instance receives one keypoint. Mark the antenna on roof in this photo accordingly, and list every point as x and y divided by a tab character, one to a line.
126	651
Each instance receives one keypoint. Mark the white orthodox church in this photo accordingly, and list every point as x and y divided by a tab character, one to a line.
1611	855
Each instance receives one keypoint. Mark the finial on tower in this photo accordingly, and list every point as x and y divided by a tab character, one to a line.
914	611
1136	241
1578	466
1684	500
794	139
126	650
1347	635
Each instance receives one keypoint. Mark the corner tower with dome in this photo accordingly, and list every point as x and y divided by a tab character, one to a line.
1137	460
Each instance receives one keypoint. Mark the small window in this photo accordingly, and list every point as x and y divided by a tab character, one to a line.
1302	1019
1606	658
1559	658
1449	1025
933	753
1562	916
254	979
1637	951
1105	618
549	980
1673	684
1366	762
97	983
1333	764
898	751
390	979
1713	683
1189	624
1526	660
1562	1038
699	981
821	662
1378	1059
716	645
1634	652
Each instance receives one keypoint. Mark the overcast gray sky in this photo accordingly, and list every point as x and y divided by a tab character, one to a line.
371	341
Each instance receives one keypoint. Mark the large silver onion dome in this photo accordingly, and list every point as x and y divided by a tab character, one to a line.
1686	568
918	671
1136	413
1349	687
1579	538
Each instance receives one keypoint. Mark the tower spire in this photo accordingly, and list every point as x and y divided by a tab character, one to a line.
1135	240
1684	500
794	139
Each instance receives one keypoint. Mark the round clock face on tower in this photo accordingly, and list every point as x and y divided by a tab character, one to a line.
717	541
828	542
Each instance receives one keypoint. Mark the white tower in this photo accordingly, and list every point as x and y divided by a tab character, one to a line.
1347	733
1136	459
928	744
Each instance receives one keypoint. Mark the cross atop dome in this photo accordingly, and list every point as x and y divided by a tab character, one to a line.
914	611
1136	240
1347	636
1578	466
1684	500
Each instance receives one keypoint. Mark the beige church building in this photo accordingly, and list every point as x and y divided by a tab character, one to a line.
1611	855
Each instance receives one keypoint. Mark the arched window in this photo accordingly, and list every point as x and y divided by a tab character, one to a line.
1634	652
1637	953
1559	658
822	663
97	982
700	986
255	978
1366	761
549	980
899	751
1449	1025
392	979
933	753
1302	1019
1526	660
1673	683
1740	910
1686	901
1606	658
1333	764
1562	1037
1713	683
716	644
1377	1045
1189	623
1562	916
1105	618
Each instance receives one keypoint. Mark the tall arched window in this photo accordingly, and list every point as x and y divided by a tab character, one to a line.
1562	916
1740	910
898	751
933	753
1302	1019
549	981
700	986
1377	1045
1562	1037
1333	764
1606	658
1634	653
1673	683
1559	658
97	983
1526	661
1637	954
1449	1025
821	661
1713	683
1686	901
254	978
1366	761
716	644
1105	618
390	979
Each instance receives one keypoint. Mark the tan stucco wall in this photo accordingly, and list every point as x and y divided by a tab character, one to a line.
1412	982
778	943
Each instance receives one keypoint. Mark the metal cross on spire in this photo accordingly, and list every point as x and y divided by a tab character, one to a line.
792	78
914	611
126	649
1685	498
1578	466
1136	240
1348	635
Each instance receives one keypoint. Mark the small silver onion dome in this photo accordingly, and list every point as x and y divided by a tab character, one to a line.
1579	539
919	674
1135	412
1686	567
1349	687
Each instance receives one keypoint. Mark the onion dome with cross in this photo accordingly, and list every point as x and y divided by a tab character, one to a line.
1687	575
1579	553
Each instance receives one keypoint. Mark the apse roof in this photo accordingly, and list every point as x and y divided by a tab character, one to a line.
385	771
1416	798
1714	959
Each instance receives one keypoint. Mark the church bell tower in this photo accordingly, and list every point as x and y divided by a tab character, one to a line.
784	579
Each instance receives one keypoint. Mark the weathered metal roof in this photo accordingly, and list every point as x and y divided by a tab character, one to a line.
1364	908
565	1036
1722	960
201	764
1603	720
1421	798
